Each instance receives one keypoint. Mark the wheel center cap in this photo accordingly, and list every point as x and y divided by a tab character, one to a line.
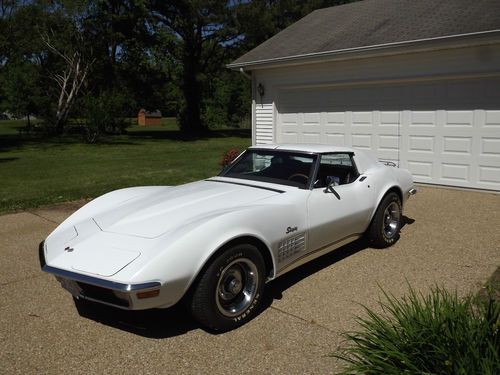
235	286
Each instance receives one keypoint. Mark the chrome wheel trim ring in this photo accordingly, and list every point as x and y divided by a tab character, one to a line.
236	287
392	216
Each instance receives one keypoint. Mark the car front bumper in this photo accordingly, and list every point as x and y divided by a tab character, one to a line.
121	295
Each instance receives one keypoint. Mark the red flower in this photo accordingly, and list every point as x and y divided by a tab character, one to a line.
229	156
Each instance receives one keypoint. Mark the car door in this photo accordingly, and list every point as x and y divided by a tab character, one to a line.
344	209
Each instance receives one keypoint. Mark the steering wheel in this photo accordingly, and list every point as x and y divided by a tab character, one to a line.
300	177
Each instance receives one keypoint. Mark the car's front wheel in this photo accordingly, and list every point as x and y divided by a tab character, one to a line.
229	291
386	223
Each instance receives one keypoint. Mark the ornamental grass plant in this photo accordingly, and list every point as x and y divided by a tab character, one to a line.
438	333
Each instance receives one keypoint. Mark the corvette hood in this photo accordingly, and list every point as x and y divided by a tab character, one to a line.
155	214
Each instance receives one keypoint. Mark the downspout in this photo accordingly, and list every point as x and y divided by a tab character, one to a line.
242	71
248	76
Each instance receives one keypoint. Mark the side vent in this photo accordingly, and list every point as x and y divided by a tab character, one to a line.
291	246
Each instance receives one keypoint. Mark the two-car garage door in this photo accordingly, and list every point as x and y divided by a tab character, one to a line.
444	132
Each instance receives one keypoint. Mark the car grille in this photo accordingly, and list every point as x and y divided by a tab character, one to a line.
101	294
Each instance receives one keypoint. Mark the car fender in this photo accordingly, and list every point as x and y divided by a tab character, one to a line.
385	182
178	265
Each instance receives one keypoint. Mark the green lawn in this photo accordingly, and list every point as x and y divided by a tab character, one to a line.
37	171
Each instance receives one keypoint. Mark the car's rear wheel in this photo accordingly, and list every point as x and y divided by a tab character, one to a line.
386	223
229	291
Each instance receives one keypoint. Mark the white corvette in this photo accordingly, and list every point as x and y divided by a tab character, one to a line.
217	241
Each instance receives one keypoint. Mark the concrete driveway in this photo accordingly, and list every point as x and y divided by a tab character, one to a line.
451	238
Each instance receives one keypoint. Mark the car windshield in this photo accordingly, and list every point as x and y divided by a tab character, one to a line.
279	167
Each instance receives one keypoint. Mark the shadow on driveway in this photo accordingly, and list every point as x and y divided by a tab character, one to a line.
154	323
175	321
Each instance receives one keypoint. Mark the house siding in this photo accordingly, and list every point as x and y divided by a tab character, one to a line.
264	118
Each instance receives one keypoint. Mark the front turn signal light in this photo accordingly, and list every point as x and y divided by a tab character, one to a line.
148	294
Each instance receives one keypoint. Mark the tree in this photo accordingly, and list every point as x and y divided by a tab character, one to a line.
44	50
70	78
198	35
22	92
7	9
161	54
260	20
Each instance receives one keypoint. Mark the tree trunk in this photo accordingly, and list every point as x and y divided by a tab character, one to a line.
70	80
191	113
60	123
192	86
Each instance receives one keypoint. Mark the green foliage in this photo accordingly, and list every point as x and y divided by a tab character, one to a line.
260	20
198	35
105	114
169	55
438	333
126	58
230	102
21	87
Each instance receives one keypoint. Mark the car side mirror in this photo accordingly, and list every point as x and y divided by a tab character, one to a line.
332	181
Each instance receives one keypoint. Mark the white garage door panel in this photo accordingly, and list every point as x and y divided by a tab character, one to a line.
443	132
489	150
489	175
363	141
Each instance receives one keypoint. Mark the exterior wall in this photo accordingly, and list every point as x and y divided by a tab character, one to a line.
407	68
152	121
444	105
141	119
462	62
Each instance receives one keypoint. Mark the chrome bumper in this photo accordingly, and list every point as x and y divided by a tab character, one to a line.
99	290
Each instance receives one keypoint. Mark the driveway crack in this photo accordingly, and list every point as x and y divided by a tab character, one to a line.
43	217
301	319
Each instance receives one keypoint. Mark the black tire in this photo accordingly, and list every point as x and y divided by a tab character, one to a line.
229	291
386	223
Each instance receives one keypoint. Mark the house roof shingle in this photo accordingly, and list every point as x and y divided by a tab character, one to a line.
376	22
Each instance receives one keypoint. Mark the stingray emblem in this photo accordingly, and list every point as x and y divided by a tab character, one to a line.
68	249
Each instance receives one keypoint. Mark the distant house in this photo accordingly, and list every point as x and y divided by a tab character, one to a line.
149	118
416	82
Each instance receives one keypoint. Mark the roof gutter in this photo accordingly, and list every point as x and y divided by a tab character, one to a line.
371	48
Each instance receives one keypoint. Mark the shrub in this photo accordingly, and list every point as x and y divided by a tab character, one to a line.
434	334
229	156
214	117
105	114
